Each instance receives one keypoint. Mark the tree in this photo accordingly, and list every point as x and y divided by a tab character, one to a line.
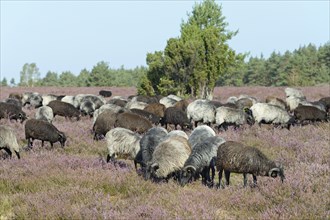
4	82
100	75
193	62
29	75
12	82
51	79
67	79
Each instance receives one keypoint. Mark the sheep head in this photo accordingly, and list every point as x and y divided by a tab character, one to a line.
186	175
277	171
62	139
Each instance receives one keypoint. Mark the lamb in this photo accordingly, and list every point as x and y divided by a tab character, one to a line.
229	116
309	113
201	160
235	157
156	108
266	113
44	131
12	111
105	93
133	122
64	109
147	146
154	119
201	110
8	141
176	117
199	134
104	123
45	113
168	158
122	143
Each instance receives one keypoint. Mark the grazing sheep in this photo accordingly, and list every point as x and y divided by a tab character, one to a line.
34	99
148	115
44	131
235	157
309	113
112	107
176	98
64	109
118	101
122	143
48	98
326	103
168	158
105	93
167	102
133	122
145	99
156	108
201	160
104	123
230	116
176	117
276	101
201	110
16	102
12	111
45	113
8	141
199	134
68	99
177	133
87	108
17	96
148	144
243	103
271	114
135	104
182	105
291	92
97	101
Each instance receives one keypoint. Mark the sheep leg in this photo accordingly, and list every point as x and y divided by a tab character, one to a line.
227	176
245	179
220	177
42	143
8	151
254	180
17	154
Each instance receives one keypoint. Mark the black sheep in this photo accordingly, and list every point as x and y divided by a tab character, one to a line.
176	117
148	115
133	122
309	113
64	109
11	111
105	93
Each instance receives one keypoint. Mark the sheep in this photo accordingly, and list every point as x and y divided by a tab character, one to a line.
133	122
8	141
291	92
176	98
97	101
87	108
276	101
167	102
145	99
48	98
105	93
243	103
266	113
17	96
135	104
230	116
326	103
14	102
148	115
199	134
12	111
168	158
122	143
104	123
201	110
112	107
32	98
118	101
177	133
201	160
182	105
156	108
176	117
64	109
235	157
45	113
68	99
147	146
44	131
309	113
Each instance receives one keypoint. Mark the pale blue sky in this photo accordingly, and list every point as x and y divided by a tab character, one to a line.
73	35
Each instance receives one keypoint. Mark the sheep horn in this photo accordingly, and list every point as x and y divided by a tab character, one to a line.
276	169
190	167
155	166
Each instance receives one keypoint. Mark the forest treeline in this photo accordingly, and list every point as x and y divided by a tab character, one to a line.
307	66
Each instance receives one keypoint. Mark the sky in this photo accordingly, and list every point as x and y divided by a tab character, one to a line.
72	35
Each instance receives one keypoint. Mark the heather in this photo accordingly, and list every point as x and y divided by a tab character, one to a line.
75	182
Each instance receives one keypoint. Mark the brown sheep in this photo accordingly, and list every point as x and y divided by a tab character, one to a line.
133	122
156	108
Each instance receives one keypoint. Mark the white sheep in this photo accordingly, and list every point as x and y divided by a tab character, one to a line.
201	110
8	141
230	116
45	113
122	143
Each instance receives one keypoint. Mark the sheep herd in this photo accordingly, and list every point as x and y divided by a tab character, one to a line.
166	137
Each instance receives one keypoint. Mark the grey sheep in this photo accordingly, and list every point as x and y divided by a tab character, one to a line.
201	110
13	101
118	101
271	114
235	157
168	158
34	99
8	141
112	107
48	98
87	108
276	101
145	99
201	161
156	108
104	123
44	131
176	117
148	143
135	104
226	116
291	92
64	109
45	113
97	101
12	111
133	122
167	102
199	134
309	113
122	143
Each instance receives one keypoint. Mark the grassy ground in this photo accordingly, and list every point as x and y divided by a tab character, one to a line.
75	182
